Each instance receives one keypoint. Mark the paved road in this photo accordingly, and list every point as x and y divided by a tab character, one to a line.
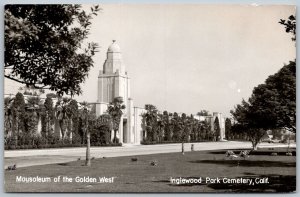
47	156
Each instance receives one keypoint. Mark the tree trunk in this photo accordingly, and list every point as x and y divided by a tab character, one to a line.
254	145
115	136
88	149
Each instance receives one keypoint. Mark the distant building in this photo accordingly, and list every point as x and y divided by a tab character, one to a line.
210	119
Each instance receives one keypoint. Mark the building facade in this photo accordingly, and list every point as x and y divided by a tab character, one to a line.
114	81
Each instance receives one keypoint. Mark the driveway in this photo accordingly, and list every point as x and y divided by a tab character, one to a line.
33	157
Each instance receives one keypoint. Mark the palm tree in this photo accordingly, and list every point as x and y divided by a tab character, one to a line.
18	113
161	127
151	121
63	114
166	123
8	116
33	112
48	115
115	111
217	130
184	128
73	120
176	126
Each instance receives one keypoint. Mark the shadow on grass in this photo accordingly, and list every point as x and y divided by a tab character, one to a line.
277	183
279	151
247	163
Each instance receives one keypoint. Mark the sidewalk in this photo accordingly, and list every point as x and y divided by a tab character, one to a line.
49	156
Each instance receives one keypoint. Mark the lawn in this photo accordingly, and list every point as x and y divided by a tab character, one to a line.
141	176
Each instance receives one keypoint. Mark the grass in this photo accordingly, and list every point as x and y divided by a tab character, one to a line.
141	176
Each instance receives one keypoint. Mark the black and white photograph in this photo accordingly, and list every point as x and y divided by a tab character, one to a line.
149	98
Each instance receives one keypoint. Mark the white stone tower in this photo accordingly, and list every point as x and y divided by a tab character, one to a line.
113	81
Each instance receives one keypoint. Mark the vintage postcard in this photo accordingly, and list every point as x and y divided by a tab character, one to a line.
150	98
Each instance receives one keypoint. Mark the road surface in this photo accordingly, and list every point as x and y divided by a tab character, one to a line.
33	157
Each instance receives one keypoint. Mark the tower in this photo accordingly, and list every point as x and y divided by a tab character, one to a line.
113	82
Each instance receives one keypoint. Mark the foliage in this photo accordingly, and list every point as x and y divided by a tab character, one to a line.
177	126
51	95
63	114
272	105
66	109
115	111
101	132
172	128
203	113
48	116
32	114
166	126
228	128
8	118
290	25
74	119
18	113
44	46
217	128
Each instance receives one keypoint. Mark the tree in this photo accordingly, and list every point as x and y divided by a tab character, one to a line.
87	120
73	121
273	104
203	113
18	113
160	127
185	125
176	126
115	111
290	25
8	119
48	116
151	122
32	115
63	115
204	130
102	130
194	128
44	46
228	128
166	123
217	129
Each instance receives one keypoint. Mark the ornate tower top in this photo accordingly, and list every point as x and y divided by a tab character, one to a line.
114	48
114	63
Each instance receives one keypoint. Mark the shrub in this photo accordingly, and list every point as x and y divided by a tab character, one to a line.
27	141
12	147
76	139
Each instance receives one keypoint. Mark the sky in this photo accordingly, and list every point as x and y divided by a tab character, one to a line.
190	57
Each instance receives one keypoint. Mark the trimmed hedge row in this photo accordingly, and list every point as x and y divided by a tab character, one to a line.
39	142
170	142
14	147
